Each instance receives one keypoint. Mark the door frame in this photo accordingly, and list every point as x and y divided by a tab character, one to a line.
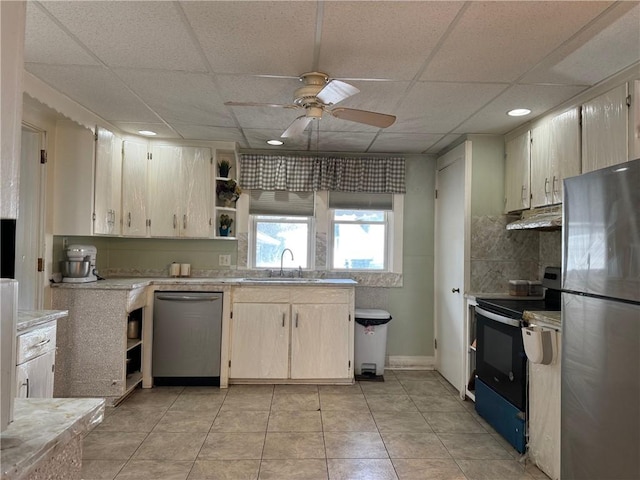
37	228
442	162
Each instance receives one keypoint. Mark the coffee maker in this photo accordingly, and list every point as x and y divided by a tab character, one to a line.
80	266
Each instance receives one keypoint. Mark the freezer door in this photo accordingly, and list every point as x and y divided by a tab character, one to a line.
602	232
600	391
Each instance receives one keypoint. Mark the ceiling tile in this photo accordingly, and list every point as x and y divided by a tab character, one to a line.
97	89
500	41
538	98
257	139
131	34
403	143
203	132
381	39
259	117
342	141
46	42
440	107
275	38
614	40
444	143
179	96
252	88
134	127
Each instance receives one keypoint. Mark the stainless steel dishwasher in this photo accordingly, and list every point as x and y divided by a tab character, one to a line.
187	329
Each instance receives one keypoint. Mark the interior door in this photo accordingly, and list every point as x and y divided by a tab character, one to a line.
29	225
449	265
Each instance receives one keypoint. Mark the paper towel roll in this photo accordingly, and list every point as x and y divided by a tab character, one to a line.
174	270
539	345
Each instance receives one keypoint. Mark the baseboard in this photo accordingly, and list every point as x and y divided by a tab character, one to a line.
405	362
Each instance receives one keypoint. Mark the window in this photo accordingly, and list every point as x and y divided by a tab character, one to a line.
359	240
272	234
281	220
360	230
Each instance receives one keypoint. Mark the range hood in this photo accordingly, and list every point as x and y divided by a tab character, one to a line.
545	218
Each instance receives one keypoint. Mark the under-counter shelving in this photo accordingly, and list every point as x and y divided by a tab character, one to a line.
133	359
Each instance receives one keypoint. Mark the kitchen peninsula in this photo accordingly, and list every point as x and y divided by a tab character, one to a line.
274	330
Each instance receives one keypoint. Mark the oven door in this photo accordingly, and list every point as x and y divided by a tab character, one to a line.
500	360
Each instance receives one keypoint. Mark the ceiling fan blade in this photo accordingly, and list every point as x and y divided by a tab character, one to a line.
254	104
335	91
297	127
380	120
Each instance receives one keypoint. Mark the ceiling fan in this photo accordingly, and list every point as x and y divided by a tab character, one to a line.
315	97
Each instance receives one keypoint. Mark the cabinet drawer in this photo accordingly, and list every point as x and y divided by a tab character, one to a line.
319	295
36	342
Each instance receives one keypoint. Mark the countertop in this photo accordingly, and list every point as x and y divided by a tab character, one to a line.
42	424
32	318
138	282
548	319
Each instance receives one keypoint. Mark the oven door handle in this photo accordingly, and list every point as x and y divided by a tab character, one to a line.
498	318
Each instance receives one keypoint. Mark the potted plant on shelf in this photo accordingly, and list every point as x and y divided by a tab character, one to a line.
225	223
228	192
224	166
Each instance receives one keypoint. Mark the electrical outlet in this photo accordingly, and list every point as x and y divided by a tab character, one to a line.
224	260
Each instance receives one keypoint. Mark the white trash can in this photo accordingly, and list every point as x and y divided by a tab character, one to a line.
371	341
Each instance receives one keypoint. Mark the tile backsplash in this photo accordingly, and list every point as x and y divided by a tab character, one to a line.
499	255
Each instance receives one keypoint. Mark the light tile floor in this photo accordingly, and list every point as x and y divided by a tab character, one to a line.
411	427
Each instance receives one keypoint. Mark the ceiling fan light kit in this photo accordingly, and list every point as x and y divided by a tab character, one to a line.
318	93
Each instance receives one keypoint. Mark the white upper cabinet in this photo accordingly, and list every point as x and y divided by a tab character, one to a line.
564	150
73	179
517	164
134	189
555	155
605	123
108	184
540	166
180	191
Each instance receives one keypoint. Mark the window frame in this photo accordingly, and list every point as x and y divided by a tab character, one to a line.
388	243
254	219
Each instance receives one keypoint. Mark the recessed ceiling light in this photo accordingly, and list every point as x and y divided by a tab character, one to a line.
147	132
275	142
518	112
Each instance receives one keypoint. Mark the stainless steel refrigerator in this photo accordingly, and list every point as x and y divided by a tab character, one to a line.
600	405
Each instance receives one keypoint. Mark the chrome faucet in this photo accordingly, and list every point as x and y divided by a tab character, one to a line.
282	260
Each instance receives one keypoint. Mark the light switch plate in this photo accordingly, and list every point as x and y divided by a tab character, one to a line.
224	260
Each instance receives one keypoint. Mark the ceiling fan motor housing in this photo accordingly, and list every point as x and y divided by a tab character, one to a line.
314	82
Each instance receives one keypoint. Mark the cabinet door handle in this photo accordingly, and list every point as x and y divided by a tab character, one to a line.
553	185
39	344
523	195
283	317
129	219
546	182
184	222
296	319
455	290
26	382
175	221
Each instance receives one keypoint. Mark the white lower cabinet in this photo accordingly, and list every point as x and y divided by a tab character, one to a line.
35	360
292	334
34	379
260	340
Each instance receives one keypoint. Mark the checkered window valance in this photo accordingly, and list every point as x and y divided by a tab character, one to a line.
310	173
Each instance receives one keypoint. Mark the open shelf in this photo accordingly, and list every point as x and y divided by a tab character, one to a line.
132	380
133	342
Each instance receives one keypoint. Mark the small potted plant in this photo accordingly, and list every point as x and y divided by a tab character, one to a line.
225	223
228	191
224	166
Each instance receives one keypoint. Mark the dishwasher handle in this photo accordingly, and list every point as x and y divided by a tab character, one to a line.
187	298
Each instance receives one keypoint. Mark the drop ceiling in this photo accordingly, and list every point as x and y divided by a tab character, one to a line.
444	69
